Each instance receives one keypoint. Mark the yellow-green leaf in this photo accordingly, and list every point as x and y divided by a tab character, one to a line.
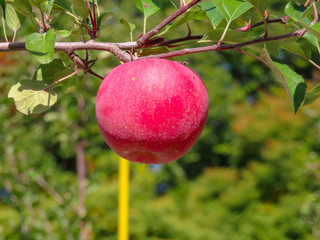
31	98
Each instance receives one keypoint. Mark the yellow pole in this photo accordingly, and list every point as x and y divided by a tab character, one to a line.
123	217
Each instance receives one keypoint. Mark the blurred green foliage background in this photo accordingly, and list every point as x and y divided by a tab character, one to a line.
254	174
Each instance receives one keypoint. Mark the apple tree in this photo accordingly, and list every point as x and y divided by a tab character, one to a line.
247	27
69	38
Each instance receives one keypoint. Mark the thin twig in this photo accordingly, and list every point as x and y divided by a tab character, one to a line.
118	48
224	32
95	74
318	47
315	13
94	17
90	14
53	193
14	35
307	3
305	58
278	20
251	55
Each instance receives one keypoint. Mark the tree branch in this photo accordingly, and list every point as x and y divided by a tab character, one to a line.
118	48
73	46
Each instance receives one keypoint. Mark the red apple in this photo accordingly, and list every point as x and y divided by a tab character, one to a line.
151	110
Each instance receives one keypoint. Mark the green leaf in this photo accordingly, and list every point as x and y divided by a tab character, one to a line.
30	98
42	46
273	47
261	5
3	6
62	5
65	6
153	51
22	6
129	25
292	82
80	7
64	33
194	14
232	36
36	3
309	11
312	95
298	49
212	12
173	4
294	11
296	85
311	38
218	4
148	7
52	72
47	6
235	8
314	30
12	18
103	17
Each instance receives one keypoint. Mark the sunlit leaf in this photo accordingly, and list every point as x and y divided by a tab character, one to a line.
30	98
148	7
212	12
235	8
41	46
294	11
12	18
64	33
218	4
194	14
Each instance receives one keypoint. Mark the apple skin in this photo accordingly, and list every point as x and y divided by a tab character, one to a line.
151	110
